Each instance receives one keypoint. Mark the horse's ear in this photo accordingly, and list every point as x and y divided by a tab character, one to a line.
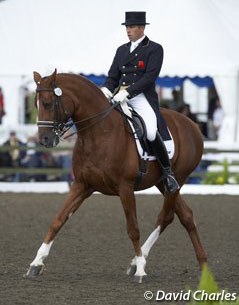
52	78
37	77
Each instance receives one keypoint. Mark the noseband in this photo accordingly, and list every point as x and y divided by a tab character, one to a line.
58	126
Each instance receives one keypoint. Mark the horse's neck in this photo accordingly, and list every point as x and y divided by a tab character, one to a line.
86	97
89	101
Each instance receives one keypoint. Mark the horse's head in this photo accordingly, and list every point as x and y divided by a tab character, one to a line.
52	115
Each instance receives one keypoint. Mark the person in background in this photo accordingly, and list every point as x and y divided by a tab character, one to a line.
27	114
186	110
15	154
175	103
131	79
33	159
2	111
217	118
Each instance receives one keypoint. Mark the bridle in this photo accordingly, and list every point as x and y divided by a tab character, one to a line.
59	127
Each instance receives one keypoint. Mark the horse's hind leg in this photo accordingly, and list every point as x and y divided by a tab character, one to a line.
76	196
185	216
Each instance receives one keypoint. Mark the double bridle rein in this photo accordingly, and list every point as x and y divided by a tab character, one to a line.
59	126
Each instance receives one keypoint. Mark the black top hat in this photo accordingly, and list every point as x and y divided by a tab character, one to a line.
135	18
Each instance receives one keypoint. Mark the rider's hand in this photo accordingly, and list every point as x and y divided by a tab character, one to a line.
121	96
107	93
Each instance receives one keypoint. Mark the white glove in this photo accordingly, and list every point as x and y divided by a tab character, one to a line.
106	92
121	96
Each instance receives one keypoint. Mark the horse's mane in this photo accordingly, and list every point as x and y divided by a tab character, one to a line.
82	79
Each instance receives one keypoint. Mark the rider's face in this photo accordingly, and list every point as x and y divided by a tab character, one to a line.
135	32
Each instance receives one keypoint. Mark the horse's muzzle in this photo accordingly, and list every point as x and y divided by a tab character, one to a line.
49	139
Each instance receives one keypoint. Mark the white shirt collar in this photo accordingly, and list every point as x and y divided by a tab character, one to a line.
134	44
137	42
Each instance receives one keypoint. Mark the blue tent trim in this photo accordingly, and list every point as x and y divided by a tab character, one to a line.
166	81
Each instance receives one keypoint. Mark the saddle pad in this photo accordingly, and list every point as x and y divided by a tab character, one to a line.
169	144
168	139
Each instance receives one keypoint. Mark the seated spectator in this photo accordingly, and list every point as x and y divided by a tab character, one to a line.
16	153
16	150
33	159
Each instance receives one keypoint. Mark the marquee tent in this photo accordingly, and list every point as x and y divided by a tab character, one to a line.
200	38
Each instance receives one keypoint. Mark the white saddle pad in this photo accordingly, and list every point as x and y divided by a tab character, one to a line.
144	155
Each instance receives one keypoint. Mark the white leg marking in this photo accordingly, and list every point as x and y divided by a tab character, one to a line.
150	242
42	254
140	265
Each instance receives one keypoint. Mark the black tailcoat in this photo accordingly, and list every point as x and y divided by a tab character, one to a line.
138	71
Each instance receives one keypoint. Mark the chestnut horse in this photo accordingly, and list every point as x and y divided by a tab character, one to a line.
105	159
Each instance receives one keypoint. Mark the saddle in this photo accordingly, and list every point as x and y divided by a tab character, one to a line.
136	123
138	128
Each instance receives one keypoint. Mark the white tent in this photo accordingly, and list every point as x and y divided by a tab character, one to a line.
200	38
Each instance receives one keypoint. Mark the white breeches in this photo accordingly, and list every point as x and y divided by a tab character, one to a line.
140	104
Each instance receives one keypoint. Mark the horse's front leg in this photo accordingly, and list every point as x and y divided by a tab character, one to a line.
76	196
138	264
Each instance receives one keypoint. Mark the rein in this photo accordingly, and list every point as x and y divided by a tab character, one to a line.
59	127
98	116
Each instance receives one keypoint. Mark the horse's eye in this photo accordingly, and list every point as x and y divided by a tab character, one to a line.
47	105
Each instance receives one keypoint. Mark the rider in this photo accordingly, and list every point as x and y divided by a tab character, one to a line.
131	79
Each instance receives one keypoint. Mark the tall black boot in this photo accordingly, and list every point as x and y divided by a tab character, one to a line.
160	152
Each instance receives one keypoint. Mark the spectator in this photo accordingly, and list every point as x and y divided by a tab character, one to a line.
15	154
2	111
33	159
217	118
27	106
175	103
186	110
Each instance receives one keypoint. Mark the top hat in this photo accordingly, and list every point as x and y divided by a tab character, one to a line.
135	18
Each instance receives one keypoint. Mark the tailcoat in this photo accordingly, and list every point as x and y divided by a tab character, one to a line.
137	71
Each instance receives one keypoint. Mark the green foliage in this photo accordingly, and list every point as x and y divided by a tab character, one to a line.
209	293
221	177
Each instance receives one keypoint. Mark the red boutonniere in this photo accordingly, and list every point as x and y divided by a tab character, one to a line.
141	64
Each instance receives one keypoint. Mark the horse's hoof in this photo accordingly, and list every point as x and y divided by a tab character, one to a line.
139	278
131	270
34	271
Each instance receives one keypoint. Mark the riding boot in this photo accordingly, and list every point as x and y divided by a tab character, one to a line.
160	152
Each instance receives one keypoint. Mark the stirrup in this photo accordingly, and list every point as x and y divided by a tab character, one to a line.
170	184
